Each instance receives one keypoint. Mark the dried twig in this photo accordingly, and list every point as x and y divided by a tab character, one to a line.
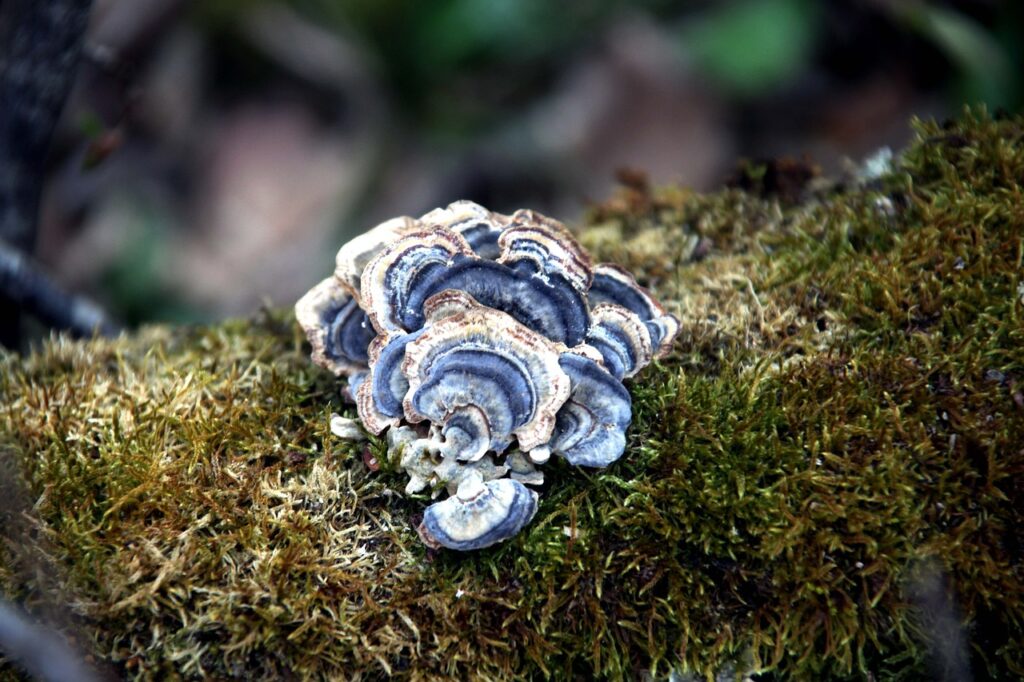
40	43
24	284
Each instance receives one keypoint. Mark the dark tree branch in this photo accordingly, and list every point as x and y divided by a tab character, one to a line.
949	656
40	44
32	291
42	653
37	641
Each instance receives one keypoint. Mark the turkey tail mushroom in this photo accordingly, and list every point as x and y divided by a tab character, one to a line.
484	330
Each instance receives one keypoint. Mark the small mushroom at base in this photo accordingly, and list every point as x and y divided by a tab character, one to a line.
523	470
347	429
479	515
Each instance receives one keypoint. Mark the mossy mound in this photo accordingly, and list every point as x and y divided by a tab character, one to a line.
843	418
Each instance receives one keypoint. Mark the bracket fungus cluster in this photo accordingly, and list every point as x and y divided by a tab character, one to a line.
465	332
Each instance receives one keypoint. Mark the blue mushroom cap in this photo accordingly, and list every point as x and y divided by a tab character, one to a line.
479	515
544	246
478	226
421	265
623	340
485	359
380	397
590	429
549	306
391	280
349	333
614	285
336	326
483	239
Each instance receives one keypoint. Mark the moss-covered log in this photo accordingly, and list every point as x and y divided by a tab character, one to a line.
823	479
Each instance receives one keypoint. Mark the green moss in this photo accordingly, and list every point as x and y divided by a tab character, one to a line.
844	408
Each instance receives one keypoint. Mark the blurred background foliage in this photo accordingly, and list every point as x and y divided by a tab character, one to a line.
216	153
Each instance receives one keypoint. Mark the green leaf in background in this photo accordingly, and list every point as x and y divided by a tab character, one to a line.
985	71
750	46
132	284
463	29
